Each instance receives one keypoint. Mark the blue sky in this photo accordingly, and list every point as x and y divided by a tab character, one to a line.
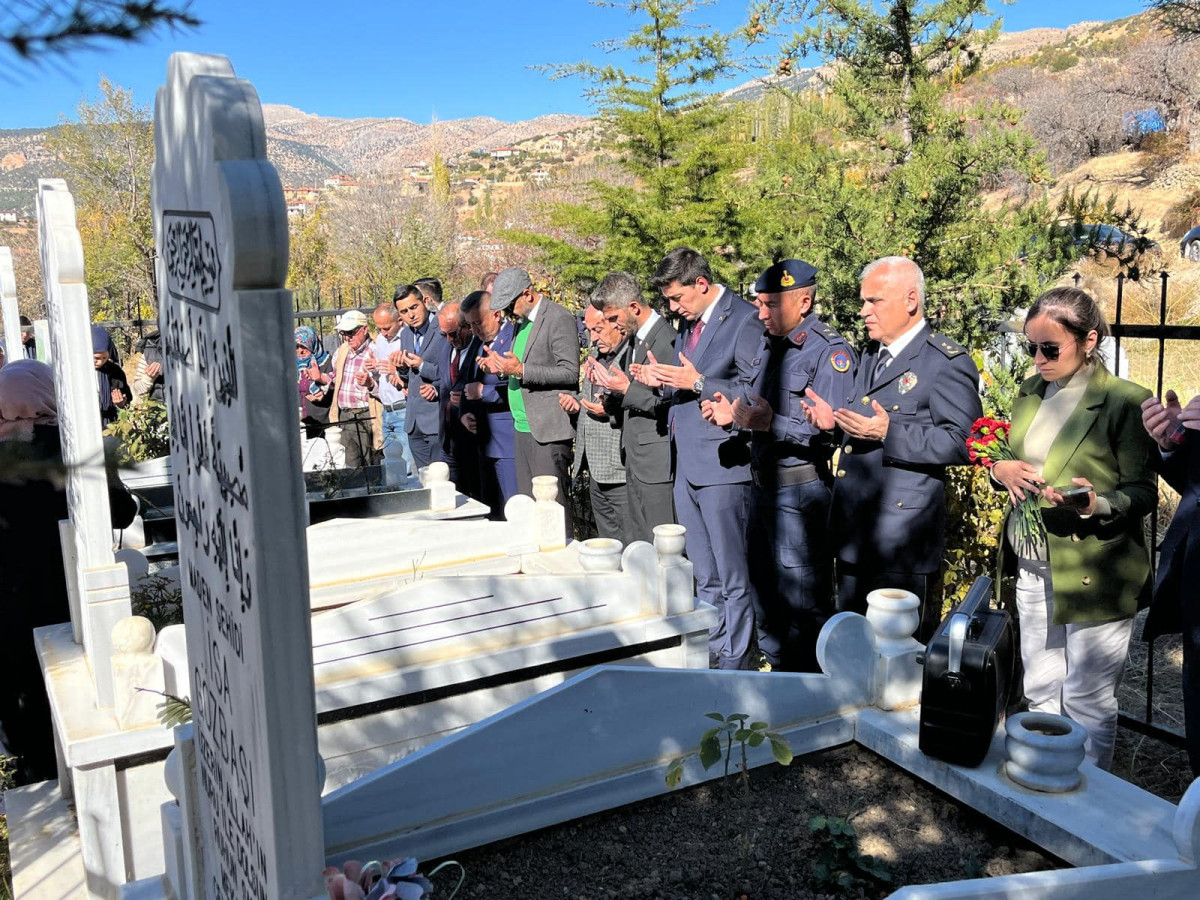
408	58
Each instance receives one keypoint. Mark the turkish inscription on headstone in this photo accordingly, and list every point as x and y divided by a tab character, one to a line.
8	306
221	232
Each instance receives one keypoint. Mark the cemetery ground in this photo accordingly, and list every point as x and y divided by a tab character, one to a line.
691	844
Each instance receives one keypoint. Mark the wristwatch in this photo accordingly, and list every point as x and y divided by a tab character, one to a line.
698	385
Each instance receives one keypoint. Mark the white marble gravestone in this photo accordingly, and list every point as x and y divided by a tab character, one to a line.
41	337
221	229
9	313
98	589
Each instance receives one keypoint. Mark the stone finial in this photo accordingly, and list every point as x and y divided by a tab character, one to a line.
1044	751
137	673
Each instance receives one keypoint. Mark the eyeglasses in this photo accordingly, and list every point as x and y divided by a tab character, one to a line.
1049	350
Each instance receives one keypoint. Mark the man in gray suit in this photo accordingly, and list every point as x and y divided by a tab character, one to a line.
598	438
543	362
645	439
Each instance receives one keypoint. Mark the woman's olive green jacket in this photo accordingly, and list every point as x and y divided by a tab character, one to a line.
1099	565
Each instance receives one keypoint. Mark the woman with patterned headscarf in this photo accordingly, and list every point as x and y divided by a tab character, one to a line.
314	375
33	591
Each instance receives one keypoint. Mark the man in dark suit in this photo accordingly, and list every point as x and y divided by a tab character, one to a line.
720	352
1176	608
645	439
914	401
485	404
417	364
456	369
543	362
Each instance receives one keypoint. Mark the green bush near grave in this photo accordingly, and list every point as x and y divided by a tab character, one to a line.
159	600
142	430
837	865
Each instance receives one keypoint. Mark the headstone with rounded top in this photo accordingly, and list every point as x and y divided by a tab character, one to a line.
221	230
9	313
98	587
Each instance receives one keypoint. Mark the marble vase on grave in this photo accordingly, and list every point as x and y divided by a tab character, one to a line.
549	516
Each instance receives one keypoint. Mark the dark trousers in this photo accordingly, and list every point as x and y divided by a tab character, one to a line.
792	571
717	519
855	582
462	458
424	448
1191	693
358	441
497	482
609	505
554	459
649	504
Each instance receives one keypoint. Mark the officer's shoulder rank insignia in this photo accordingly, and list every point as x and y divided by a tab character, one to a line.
840	360
798	337
948	347
908	381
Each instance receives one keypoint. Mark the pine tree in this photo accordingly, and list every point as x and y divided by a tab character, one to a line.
678	185
889	162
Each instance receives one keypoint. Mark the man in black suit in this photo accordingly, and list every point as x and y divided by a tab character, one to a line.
456	369
1176	608
645	439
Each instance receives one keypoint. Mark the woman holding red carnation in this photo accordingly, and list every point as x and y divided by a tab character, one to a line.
1077	435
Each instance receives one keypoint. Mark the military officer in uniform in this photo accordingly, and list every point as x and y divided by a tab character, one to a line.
791	561
914	401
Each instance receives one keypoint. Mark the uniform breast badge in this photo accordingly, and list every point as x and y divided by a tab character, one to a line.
908	381
840	360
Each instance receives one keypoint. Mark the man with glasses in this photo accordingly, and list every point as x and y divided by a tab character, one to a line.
485	409
354	410
915	398
388	387
456	369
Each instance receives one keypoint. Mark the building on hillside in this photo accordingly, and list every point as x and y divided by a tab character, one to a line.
9	216
307	193
539	176
298	209
504	152
556	143
341	183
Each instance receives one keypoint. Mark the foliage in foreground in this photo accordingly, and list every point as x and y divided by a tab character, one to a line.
142	430
837	863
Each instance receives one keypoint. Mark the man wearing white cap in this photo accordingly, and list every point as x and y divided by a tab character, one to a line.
353	408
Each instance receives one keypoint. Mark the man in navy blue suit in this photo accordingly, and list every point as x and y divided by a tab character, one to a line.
417	363
719	352
915	398
456	369
485	404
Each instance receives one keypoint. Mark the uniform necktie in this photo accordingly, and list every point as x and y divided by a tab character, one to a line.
453	366
694	337
884	358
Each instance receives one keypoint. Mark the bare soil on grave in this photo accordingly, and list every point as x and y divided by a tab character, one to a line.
688	845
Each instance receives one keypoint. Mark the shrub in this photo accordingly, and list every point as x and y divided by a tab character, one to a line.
142	430
1182	215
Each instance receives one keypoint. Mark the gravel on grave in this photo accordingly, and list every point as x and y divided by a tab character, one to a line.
686	845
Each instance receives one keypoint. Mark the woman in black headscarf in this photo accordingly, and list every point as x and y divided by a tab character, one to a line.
33	591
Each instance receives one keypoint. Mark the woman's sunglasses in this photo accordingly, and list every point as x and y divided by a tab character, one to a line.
1050	351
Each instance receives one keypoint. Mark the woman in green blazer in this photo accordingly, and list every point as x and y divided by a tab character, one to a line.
1074	425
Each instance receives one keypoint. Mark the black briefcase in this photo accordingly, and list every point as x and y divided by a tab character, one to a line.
968	671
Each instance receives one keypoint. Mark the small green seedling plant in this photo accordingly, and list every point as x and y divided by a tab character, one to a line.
734	730
837	864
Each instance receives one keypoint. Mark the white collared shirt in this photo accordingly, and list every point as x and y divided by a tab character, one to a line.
896	347
707	314
644	331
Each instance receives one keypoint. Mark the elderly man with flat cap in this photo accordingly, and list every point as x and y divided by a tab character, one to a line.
791	561
543	362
